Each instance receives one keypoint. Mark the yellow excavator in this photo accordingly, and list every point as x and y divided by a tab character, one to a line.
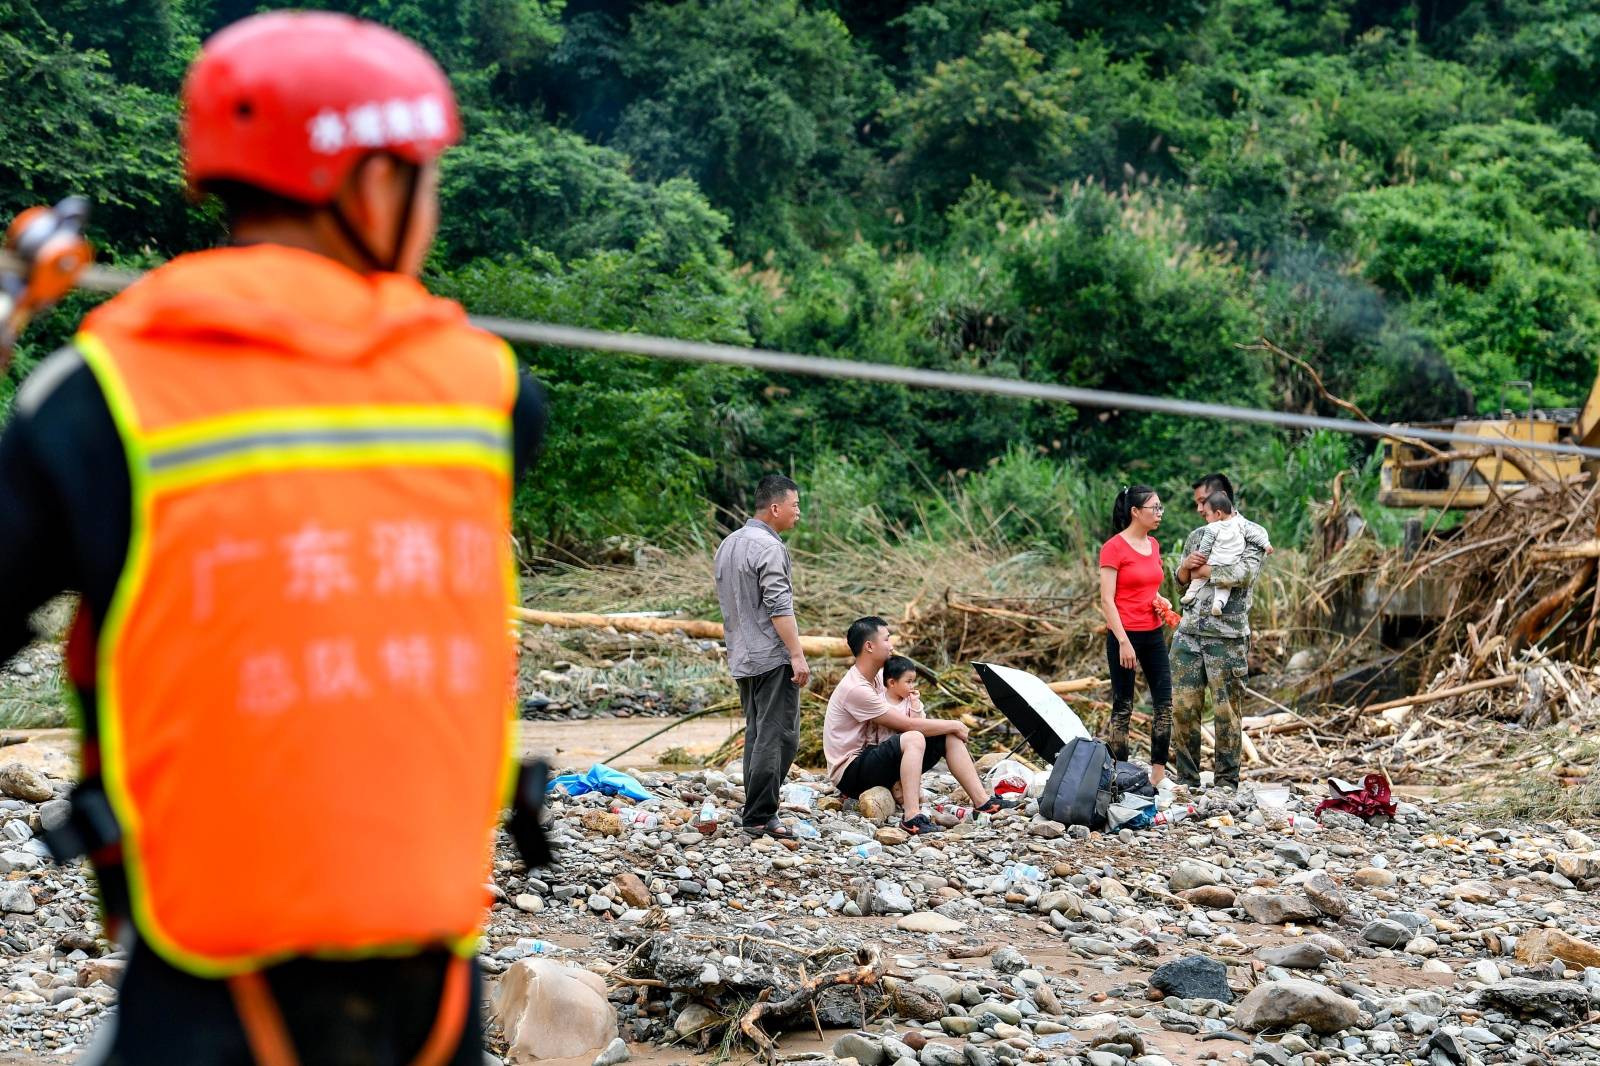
1414	474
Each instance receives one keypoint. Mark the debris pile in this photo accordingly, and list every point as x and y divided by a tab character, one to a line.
1422	938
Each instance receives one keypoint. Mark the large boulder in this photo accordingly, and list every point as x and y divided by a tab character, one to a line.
1385	933
1302	955
551	1011
1278	909
876	805
1579	867
916	1002
632	890
1321	890
1557	1002
1542	945
24	783
1192	873
1211	897
1193	977
1285	1004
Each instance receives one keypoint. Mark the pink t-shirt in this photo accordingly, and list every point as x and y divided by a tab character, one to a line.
850	726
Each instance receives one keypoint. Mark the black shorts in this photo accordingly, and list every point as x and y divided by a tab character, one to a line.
879	765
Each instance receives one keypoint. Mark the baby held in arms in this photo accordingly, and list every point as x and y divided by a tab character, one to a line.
1223	542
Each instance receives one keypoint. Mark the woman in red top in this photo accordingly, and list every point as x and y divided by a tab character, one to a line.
1130	580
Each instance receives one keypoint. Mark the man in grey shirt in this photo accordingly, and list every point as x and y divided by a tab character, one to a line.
755	586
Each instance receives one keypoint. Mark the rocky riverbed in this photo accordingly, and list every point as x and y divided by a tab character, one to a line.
1248	933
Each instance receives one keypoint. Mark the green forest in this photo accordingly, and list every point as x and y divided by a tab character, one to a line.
1120	195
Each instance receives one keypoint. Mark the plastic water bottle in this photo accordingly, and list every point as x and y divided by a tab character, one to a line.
706	820
1174	815
639	818
537	947
867	850
954	810
805	830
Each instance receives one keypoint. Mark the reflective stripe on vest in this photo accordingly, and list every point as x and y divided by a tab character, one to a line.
340	436
305	678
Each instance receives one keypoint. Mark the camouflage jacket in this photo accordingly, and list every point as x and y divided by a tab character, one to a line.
1241	576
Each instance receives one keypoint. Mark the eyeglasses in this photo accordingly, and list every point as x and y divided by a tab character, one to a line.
1156	507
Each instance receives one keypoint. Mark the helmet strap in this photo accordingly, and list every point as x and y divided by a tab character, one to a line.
374	262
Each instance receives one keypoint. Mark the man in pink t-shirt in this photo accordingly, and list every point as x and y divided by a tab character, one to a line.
858	714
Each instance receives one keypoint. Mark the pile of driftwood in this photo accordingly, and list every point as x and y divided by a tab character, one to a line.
704	989
1038	634
1520	572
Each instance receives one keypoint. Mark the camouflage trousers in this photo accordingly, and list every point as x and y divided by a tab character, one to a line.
1198	664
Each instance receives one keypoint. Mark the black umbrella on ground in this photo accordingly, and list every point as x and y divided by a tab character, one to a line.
1042	717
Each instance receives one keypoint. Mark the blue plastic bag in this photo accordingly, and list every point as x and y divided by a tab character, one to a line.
603	779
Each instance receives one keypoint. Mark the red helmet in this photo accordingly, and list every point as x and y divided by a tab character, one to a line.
290	101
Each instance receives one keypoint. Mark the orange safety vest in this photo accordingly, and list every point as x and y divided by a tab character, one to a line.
306	676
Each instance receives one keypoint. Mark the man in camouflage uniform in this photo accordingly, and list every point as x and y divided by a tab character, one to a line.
1210	652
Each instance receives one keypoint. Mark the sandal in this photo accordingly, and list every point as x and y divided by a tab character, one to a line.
921	825
994	805
773	828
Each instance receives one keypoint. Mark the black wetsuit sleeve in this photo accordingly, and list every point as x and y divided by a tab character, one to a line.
65	498
32	568
529	417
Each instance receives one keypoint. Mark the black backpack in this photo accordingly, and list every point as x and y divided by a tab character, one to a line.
1082	784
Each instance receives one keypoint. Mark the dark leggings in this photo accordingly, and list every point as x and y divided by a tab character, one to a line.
1150	647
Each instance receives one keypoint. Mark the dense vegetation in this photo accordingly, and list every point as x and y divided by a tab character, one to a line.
1118	195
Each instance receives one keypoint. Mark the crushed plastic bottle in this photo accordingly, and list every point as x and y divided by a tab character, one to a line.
805	830
868	850
795	794
1018	873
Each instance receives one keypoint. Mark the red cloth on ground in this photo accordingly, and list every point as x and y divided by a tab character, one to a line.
1371	800
1138	580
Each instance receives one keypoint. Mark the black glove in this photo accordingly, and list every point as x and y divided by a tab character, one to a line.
526	824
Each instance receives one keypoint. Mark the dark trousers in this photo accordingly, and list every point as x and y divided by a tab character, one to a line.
1150	648
369	1012
771	704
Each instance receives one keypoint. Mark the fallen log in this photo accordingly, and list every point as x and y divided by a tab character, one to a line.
1583	549
1247	747
1503	681
1077	684
818	647
1273	724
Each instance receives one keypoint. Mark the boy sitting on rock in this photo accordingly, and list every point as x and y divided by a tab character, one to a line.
870	742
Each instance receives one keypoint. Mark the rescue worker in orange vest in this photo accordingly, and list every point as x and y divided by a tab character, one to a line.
279	474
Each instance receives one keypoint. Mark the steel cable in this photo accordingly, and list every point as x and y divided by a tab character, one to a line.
102	279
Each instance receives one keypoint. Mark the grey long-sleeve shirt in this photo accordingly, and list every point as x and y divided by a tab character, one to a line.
754	585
